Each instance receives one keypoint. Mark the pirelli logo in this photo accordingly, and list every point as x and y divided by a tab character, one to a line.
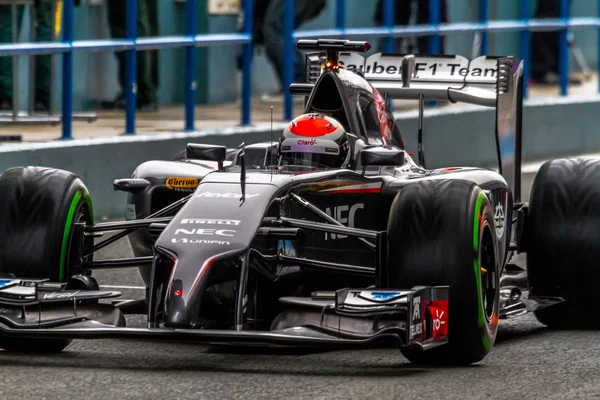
207	221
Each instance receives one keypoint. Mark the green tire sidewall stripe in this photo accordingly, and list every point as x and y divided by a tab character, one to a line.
81	192
480	313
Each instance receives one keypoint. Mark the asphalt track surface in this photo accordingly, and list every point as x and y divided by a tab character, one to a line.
527	360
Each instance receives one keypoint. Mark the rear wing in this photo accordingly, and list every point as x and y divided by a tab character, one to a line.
487	81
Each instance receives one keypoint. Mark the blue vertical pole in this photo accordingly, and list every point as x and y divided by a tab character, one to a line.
483	18
67	72
289	52
389	20
563	49
598	49
340	15
130	68
247	51
434	40
434	19
191	84
525	43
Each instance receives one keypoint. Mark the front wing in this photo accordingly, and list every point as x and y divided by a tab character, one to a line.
418	317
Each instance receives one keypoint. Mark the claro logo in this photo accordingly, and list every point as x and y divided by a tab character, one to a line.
311	142
182	184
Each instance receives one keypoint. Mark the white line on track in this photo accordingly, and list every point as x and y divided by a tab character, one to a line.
123	287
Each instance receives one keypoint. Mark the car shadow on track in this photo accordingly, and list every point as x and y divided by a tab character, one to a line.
118	355
270	366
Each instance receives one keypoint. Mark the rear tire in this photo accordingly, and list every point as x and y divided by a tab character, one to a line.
441	232
563	255
38	209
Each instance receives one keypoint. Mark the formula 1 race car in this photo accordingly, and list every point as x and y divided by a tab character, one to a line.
271	244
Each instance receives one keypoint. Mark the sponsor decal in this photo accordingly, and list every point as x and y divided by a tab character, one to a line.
311	142
199	241
205	232
209	195
452	69
376	298
207	221
339	213
182	184
59	295
382	67
5	282
499	219
384	295
439	319
415	325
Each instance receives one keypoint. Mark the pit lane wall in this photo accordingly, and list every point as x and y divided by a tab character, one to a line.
455	135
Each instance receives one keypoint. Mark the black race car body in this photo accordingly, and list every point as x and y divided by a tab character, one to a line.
233	247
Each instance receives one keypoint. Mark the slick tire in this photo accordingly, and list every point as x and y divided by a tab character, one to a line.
38	209
563	246
441	232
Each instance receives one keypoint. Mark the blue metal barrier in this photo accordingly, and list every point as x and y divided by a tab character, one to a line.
525	25
131	45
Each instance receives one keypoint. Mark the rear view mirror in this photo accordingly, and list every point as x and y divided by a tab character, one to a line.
381	156
206	152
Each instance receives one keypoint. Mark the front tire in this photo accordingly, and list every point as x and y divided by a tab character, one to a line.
441	232
39	208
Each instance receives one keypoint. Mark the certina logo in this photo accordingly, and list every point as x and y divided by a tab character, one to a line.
206	232
199	241
339	213
182	184
59	295
415	326
226	195
451	69
311	142
206	221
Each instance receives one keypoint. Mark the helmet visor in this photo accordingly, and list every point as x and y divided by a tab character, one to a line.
309	161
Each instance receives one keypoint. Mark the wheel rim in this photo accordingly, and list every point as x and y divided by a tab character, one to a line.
487	257
79	244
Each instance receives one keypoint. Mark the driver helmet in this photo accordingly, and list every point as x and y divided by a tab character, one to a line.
314	141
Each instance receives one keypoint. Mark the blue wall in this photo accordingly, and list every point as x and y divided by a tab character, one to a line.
218	77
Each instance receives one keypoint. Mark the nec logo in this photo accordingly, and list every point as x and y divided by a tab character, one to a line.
311	142
339	213
206	232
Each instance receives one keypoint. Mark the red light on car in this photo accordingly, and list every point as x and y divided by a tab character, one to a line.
178	293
